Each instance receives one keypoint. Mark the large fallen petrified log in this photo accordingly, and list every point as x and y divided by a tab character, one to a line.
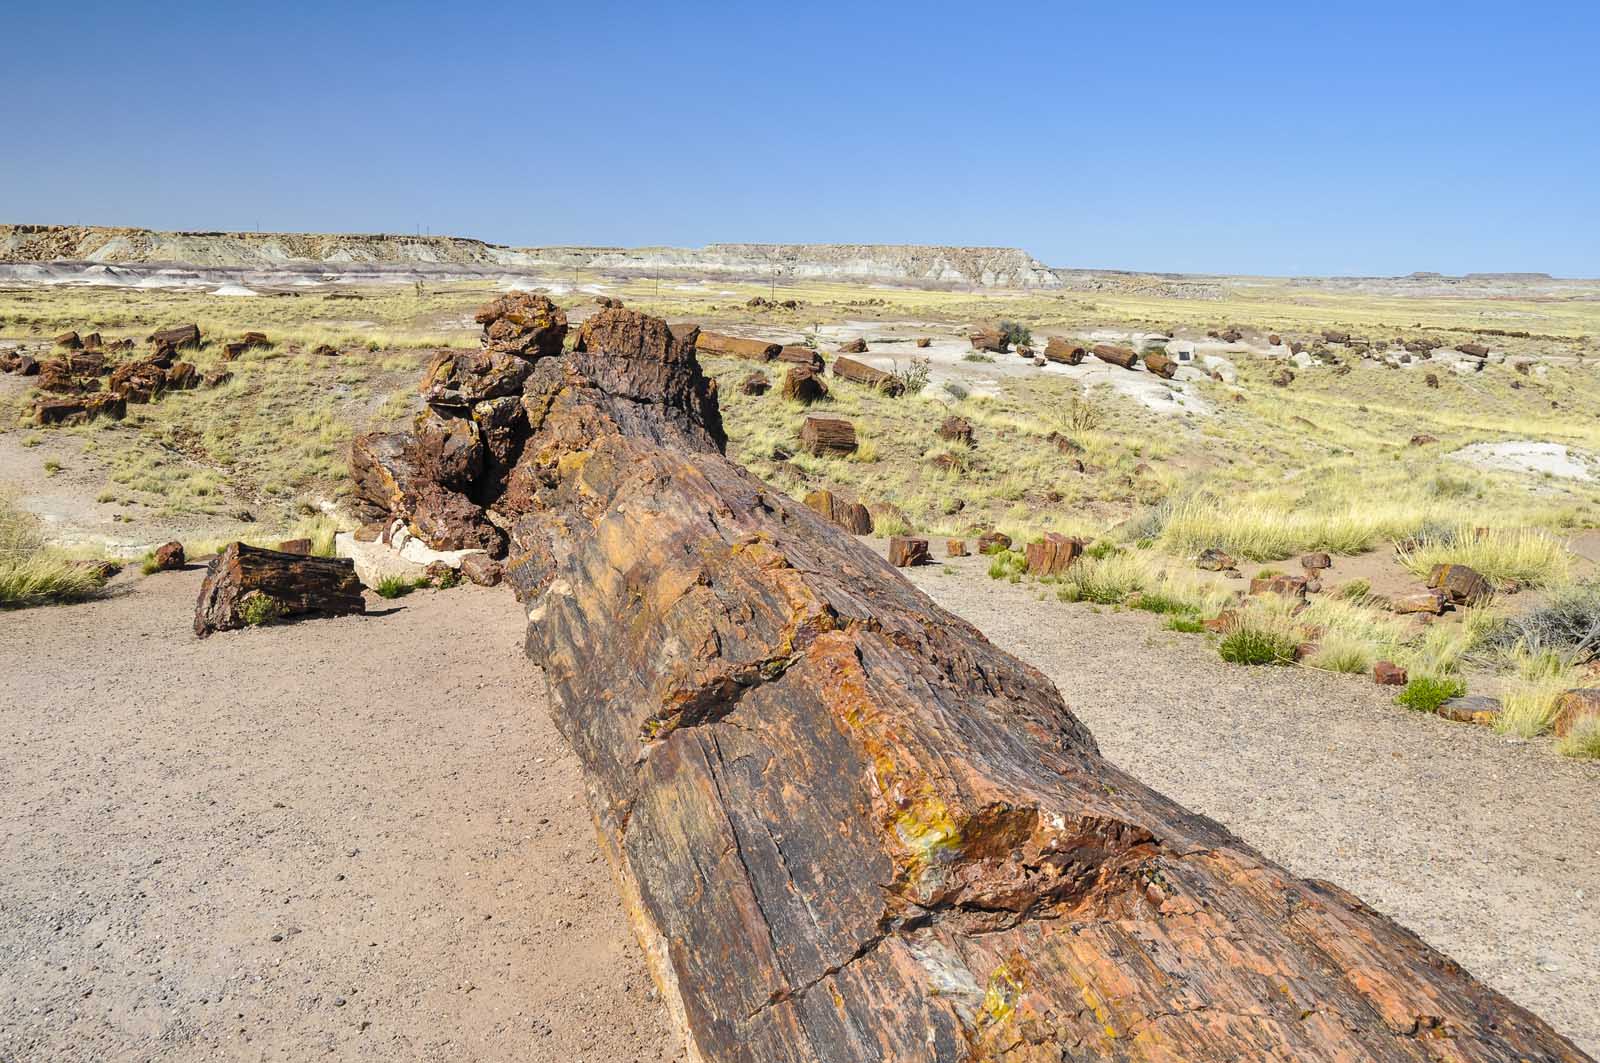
850	829
246	585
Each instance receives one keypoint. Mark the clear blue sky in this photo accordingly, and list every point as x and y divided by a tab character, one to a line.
1240	137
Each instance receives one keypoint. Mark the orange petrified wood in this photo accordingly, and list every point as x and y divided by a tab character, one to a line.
851	829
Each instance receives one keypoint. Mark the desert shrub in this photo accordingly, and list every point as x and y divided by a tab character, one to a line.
1163	604
1252	643
1583	741
1528	702
1101	548
1567	623
1356	590
1426	693
1342	653
30	572
976	356
394	587
955	391
1105	581
1016	333
1189	625
1528	555
256	609
1007	565
914	377
1146	525
890	523
1083	415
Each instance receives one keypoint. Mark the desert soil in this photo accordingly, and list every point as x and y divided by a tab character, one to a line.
1485	847
362	838
349	839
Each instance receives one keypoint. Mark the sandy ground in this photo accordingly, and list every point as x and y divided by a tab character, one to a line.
347	839
362	839
1484	846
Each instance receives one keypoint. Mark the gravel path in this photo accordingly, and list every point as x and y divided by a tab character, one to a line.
356	839
1488	848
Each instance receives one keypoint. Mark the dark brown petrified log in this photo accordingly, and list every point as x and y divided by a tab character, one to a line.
247	585
862	373
827	435
1125	357
848	828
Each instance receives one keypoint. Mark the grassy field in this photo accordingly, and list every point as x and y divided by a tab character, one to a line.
1326	463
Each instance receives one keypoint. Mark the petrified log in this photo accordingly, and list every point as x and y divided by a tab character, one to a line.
861	373
848	828
908	550
827	435
737	347
1052	555
992	541
246	585
69	340
1160	365
853	517
1063	351
756	384
797	355
176	337
955	548
855	346
79	410
1119	356
988	339
169	556
804	384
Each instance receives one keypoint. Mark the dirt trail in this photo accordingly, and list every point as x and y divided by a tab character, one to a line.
349	839
387	797
1484	846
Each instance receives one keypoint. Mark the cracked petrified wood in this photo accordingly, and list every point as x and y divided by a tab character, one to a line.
247	585
850	829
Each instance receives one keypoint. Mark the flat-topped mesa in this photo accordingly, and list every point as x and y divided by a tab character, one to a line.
849	828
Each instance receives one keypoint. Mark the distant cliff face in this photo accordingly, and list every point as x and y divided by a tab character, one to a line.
991	267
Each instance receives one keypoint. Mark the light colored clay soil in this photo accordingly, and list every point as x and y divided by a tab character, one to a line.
168	807
354	839
1488	848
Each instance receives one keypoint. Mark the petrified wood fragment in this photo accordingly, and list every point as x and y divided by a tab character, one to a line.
247	585
804	384
1060	350
1052	555
1124	357
799	355
828	435
861	373
908	550
850	829
853	517
737	347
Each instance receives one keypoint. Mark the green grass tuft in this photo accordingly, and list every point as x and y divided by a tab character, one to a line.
1426	693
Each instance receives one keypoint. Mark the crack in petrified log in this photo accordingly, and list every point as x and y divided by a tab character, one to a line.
850	829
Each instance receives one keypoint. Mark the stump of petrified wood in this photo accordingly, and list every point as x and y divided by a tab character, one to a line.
853	517
908	550
955	548
246	585
804	384
827	435
1052	555
848	828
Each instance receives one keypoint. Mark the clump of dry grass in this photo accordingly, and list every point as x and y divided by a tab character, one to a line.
31	573
1531	556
